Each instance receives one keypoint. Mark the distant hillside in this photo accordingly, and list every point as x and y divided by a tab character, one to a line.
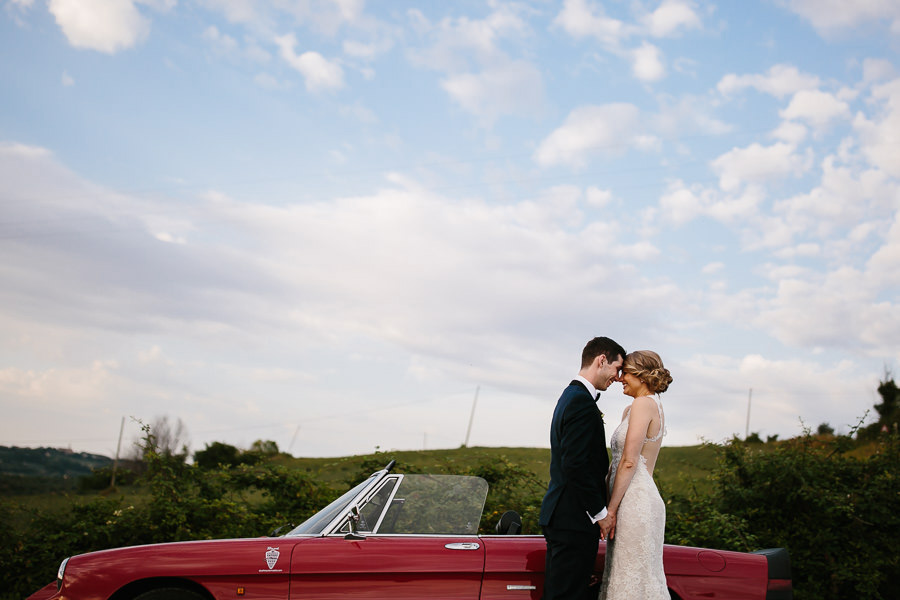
26	470
49	462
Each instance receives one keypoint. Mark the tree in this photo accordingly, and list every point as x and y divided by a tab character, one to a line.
888	410
825	429
171	438
216	454
264	447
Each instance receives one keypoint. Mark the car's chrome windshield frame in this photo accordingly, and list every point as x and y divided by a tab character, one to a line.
341	512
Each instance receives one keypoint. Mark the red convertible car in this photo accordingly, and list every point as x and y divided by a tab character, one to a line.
393	536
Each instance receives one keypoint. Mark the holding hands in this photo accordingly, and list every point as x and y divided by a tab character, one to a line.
607	526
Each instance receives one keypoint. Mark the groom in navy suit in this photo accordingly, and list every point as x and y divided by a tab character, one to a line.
573	512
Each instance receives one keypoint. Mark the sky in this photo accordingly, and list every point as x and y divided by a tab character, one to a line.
350	226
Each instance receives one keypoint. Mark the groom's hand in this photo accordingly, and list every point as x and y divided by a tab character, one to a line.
607	527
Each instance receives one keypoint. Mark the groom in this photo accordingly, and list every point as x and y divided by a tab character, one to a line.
573	512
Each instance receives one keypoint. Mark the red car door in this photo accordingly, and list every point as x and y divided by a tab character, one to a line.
514	568
388	567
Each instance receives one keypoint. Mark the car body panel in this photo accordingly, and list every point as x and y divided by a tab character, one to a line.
514	566
702	573
220	565
388	567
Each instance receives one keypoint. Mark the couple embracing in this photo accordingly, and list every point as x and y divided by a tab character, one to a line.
590	498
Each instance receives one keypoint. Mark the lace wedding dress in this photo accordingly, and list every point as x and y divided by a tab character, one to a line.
634	561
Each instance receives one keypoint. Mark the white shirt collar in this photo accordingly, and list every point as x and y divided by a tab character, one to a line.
590	386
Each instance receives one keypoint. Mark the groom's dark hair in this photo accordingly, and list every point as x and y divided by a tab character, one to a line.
601	345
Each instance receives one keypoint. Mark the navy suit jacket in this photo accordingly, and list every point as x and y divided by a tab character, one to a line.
578	463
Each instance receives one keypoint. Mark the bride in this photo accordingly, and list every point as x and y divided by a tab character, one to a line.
634	561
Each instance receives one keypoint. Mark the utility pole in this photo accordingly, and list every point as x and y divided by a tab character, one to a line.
471	417
112	482
293	439
747	428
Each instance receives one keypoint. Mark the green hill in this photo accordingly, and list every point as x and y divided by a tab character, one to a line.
33	470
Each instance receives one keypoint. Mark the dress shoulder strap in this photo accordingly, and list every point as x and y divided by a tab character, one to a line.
662	423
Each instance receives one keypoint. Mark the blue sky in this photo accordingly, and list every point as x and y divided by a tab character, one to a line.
328	223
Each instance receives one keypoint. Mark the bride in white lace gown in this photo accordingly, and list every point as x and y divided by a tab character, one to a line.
634	561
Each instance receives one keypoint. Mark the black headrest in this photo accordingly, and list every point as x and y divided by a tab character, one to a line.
510	523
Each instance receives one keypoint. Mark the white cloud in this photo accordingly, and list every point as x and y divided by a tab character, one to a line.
824	309
712	268
884	264
880	135
877	69
458	43
839	200
780	81
831	16
479	76
67	80
598	198
326	17
506	89
221	41
816	108
688	114
790	132
680	205
611	128
647	63
757	164
82	387
318	72
671	17
580	19
101	25
237	11
366	51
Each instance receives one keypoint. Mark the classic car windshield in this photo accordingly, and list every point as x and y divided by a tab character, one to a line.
424	504
407	504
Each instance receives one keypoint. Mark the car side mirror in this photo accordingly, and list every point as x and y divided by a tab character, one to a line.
353	521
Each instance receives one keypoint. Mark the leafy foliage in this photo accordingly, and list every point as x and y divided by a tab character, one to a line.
888	410
835	513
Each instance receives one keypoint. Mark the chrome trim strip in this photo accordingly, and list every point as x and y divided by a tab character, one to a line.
521	587
387	504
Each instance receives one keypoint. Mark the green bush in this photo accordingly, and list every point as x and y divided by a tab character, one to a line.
835	512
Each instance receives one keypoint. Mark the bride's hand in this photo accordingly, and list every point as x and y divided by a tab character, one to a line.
607	527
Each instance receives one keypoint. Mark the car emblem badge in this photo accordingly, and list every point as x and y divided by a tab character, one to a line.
272	555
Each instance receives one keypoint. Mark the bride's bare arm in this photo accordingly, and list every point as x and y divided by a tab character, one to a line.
642	411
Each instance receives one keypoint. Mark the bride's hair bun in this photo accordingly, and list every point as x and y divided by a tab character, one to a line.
647	366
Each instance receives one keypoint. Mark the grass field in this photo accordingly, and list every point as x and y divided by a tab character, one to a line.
678	467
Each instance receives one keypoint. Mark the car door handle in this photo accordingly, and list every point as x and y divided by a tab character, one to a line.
463	546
